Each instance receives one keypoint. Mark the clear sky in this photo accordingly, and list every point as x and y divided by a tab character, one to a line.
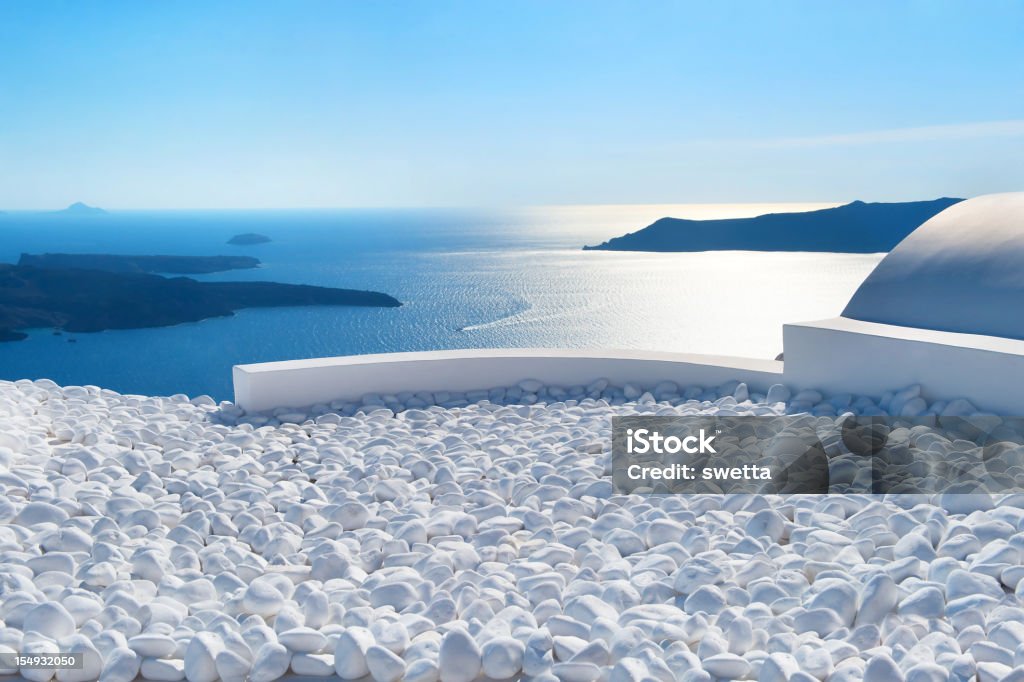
322	104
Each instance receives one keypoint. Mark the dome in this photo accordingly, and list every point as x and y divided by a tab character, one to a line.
961	271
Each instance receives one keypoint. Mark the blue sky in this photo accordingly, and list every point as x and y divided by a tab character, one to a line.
320	104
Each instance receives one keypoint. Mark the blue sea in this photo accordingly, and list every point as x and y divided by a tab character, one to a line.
467	279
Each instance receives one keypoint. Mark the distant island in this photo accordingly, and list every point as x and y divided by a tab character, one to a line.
78	208
248	238
856	227
77	300
176	265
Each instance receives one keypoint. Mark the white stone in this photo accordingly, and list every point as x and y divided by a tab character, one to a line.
502	658
92	661
350	653
881	667
152	645
766	522
121	665
270	662
927	602
460	658
36	513
707	598
384	665
200	657
397	595
878	598
778	667
303	640
628	670
49	619
422	670
567	646
961	583
233	666
728	666
391	635
262	598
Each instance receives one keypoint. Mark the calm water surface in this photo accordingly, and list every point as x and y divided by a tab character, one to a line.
468	279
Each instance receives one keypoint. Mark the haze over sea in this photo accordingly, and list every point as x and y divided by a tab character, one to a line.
467	278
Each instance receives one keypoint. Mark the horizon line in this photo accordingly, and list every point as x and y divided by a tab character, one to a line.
422	207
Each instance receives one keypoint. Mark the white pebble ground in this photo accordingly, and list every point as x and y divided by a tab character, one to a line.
455	537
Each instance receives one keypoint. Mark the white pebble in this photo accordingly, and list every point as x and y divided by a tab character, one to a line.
728	666
152	645
303	640
422	670
270	662
502	657
460	658
121	665
233	666
350	653
49	619
384	665
200	657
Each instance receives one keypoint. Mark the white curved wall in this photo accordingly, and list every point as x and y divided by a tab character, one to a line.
305	382
962	271
836	356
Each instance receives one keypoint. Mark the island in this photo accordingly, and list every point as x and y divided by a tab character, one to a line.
248	238
175	265
78	300
857	227
80	209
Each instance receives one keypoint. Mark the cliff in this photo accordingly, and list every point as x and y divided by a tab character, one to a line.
857	227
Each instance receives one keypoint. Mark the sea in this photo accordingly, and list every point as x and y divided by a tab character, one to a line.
467	278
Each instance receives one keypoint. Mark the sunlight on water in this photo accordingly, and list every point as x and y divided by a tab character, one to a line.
731	302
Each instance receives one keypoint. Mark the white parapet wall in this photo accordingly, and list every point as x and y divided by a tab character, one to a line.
305	382
838	355
841	355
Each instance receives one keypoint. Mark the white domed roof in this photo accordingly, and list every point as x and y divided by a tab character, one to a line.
961	271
